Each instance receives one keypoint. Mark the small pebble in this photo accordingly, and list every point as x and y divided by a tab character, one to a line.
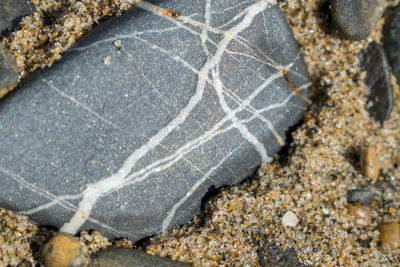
356	19
369	163
63	250
380	98
107	60
8	71
364	195
289	219
117	44
390	234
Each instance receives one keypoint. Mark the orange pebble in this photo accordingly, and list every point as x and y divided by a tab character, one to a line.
63	250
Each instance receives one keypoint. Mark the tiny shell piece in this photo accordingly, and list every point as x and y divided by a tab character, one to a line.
390	234
63	250
359	211
369	163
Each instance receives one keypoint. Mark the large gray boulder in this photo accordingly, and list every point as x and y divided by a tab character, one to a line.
128	132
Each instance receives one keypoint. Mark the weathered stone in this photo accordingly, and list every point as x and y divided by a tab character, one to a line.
121	257
189	99
364	195
8	71
391	42
273	256
380	98
11	11
356	19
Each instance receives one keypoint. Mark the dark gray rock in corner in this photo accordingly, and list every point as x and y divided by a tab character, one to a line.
8	71
391	42
121	257
11	11
131	128
380	98
356	19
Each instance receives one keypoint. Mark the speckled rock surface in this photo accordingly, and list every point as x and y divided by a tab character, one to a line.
380	98
132	127
120	257
356	19
11	11
8	71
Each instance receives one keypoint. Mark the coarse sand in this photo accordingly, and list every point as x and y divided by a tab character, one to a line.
311	178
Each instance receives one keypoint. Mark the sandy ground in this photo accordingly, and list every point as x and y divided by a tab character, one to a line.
311	178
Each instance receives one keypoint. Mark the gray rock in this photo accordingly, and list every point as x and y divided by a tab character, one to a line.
356	19
121	257
391	42
8	71
273	256
380	98
364	195
130	129
11	11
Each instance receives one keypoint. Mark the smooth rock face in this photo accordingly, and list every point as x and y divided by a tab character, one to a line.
380	98
391	42
131	128
356	19
8	71
120	257
11	11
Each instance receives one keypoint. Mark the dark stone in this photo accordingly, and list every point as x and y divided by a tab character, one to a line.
380	98
8	71
273	256
356	19
121	257
11	12
364	195
136	123
391	42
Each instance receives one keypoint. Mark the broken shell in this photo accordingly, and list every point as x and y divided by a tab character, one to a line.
390	234
369	163
359	211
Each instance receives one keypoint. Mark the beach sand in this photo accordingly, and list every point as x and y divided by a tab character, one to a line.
310	178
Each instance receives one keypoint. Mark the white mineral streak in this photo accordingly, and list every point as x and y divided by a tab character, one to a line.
122	178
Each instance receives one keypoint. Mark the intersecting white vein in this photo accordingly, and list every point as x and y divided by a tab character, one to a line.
40	191
72	99
259	146
54	202
94	191
242	106
229	8
211	82
204	32
121	36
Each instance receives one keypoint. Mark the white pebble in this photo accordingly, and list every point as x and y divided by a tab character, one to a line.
289	219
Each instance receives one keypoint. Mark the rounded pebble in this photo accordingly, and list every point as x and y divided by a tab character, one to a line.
390	234
289	219
63	250
369	163
356	19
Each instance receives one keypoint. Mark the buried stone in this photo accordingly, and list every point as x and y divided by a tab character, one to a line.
186	101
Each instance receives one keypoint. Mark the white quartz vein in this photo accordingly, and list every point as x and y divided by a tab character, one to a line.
72	99
259	146
95	190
